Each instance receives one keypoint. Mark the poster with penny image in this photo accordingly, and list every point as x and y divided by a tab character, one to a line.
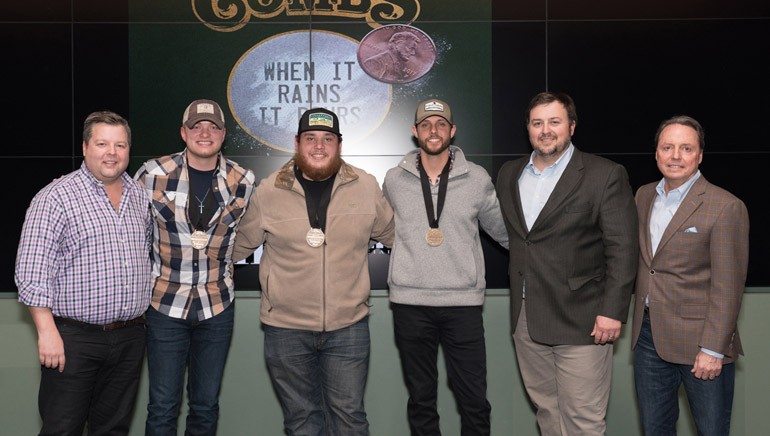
396	53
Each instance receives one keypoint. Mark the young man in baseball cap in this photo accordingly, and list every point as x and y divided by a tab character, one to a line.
315	217
198	196
436	278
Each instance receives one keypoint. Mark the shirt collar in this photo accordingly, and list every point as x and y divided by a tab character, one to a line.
451	158
680	191
560	163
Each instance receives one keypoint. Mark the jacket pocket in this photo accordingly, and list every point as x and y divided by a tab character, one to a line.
233	211
163	205
579	208
576	283
695	311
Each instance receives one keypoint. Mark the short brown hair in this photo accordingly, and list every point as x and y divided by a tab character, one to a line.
685	121
549	97
104	117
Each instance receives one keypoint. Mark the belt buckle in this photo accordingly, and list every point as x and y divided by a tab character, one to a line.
111	326
118	325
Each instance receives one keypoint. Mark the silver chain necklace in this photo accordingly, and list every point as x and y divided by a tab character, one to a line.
200	202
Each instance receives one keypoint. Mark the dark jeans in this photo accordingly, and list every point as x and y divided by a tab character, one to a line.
99	383
202	347
657	387
320	378
460	331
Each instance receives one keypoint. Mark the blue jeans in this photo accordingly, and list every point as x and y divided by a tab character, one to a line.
460	331
172	345
320	378
657	387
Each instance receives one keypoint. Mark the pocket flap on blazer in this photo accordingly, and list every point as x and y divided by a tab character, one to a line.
576	283
697	311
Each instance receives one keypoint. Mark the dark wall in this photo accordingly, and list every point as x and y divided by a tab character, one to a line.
62	60
628	65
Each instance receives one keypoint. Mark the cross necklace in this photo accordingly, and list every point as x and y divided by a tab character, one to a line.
200	202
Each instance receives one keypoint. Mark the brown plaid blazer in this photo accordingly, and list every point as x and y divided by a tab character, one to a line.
697	276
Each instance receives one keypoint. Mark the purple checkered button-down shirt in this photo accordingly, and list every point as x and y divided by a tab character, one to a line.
80	257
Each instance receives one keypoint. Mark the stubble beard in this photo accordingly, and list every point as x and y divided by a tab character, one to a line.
427	150
558	149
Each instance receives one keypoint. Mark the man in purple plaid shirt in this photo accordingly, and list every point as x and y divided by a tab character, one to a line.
83	269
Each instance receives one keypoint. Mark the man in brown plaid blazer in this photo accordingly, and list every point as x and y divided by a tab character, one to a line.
694	247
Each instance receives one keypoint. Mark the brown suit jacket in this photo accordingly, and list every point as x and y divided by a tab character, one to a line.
697	276
579	258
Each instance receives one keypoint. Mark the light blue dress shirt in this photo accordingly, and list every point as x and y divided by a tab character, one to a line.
535	187
665	207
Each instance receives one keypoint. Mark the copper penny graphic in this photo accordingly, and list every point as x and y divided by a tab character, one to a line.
396	53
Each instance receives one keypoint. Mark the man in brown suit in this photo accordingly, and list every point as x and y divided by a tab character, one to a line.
694	248
572	228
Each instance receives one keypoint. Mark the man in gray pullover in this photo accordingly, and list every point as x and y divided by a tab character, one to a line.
436	275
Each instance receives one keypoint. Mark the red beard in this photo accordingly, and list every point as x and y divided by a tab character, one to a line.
317	174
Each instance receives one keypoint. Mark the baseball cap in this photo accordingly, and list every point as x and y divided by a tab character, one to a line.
430	107
203	110
319	119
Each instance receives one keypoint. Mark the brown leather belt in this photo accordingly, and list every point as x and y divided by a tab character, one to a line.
101	327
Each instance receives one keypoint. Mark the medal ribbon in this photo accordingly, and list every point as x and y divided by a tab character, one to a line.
316	208
442	184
